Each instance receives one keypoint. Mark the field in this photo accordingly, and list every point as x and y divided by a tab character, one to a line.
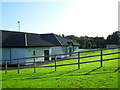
90	75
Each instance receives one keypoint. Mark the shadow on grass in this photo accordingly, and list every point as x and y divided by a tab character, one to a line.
88	73
46	73
37	77
43	75
117	69
66	72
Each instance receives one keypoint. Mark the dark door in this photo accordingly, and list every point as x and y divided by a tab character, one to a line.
70	51
46	52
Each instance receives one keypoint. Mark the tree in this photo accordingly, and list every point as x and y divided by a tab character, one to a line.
72	37
114	38
61	35
88	42
94	42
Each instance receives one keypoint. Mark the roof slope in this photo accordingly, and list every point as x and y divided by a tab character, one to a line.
57	40
35	40
12	39
65	41
22	39
51	39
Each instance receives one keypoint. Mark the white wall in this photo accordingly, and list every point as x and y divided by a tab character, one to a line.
111	46
5	54
38	52
18	53
14	53
24	53
75	48
57	50
63	50
28	52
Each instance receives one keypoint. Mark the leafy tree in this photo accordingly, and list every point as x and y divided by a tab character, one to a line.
72	37
88	42
114	38
94	42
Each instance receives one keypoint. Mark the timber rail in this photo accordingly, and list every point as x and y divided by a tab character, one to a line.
76	54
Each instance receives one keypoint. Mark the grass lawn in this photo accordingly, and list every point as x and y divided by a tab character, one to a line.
91	75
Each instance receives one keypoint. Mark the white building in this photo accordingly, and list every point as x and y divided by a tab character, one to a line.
111	46
22	45
61	45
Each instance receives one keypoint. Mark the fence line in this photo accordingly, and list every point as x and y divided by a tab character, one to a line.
78	57
34	65
6	67
78	60
59	54
101	58
18	65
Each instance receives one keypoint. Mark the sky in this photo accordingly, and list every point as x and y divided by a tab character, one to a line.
69	17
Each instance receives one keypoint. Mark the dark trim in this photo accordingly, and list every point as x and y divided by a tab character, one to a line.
46	53
10	56
34	46
24	46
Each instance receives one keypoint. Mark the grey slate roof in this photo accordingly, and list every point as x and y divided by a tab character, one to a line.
34	40
12	39
22	39
57	40
66	42
50	38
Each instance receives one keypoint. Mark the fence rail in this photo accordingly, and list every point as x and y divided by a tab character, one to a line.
78	54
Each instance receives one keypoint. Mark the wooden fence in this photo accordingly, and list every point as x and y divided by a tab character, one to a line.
78	54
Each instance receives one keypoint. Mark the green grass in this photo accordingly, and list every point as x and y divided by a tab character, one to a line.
91	75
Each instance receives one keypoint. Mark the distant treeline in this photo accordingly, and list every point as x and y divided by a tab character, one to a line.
95	42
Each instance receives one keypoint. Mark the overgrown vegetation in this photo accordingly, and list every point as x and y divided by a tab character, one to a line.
95	42
91	75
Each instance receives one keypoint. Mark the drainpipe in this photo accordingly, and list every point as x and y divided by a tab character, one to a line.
25	39
10	55
25	42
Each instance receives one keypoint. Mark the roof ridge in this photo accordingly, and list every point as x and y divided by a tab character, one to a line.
57	39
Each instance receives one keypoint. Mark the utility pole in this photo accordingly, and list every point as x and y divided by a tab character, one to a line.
19	26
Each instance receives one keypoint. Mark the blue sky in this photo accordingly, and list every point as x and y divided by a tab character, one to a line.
84	17
40	16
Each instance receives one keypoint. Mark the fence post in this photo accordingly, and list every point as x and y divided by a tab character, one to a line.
34	65
5	67
55	62
101	58
78	60
18	65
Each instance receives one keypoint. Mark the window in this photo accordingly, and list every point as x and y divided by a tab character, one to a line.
33	52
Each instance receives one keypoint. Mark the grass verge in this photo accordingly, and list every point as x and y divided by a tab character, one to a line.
91	75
